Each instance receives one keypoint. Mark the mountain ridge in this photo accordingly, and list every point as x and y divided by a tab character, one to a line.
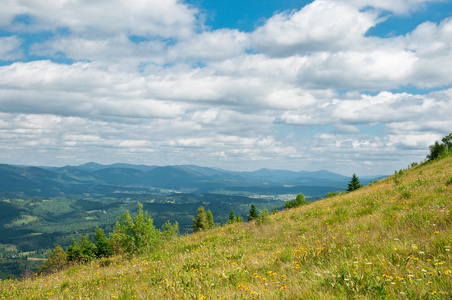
104	179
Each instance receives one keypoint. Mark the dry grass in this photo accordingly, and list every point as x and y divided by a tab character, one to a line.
389	240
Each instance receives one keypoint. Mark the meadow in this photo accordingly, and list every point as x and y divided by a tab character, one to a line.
391	239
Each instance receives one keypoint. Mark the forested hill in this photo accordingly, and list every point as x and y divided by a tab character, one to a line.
94	179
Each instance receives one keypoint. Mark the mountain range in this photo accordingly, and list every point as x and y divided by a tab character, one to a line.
92	179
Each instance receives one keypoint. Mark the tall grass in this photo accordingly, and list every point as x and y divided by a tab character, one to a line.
389	240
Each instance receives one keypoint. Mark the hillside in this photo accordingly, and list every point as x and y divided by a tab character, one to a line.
391	239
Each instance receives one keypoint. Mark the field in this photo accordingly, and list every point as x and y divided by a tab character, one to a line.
389	240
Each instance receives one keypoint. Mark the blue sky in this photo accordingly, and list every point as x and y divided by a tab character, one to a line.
351	86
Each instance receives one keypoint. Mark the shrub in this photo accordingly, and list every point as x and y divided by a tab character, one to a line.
103	247
135	236
233	218
57	260
263	217
82	251
299	201
170	230
332	194
439	150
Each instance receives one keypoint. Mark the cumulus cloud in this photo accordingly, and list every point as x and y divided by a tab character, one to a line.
319	26
395	6
211	46
10	48
306	89
101	18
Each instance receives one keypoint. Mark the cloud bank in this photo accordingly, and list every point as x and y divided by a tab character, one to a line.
148	82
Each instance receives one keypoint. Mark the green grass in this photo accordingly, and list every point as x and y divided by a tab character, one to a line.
389	240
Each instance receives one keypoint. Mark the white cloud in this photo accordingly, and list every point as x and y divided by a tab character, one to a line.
395	6
146	18
148	79
319	26
10	48
432	44
210	46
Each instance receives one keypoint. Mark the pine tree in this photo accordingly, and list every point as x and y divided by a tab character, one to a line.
199	221
209	219
233	218
354	184
253	214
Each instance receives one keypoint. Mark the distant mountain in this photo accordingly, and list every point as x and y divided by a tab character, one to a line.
101	180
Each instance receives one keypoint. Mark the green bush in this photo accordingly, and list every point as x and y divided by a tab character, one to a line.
57	260
332	194
233	218
103	247
135	236
263	217
81	251
170	230
299	201
440	150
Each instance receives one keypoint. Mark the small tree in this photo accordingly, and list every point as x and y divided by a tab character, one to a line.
57	260
233	218
253	214
81	251
209	219
138	235
200	220
170	230
103	247
298	201
447	140
438	150
354	184
263	218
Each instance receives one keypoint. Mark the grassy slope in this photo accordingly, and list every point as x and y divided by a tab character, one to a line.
390	239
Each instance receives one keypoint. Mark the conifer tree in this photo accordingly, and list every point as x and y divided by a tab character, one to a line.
233	218
209	219
253	214
354	184
199	221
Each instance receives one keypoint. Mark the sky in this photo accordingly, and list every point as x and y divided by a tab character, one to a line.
350	86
